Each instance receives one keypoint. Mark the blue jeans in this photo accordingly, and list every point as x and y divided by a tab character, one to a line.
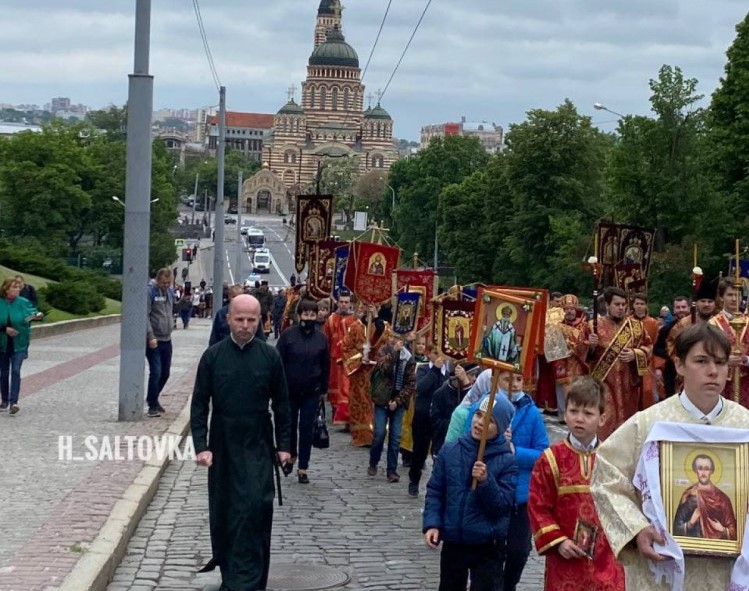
159	365
303	413
10	375
385	420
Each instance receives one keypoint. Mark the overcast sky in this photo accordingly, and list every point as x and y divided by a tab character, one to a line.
487	60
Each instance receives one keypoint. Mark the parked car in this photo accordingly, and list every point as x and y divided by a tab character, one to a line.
233	208
229	220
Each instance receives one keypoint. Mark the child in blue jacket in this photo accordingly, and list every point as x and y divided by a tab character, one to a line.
529	438
472	524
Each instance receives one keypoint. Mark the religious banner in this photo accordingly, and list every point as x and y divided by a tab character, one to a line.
626	248
422	282
369	271
453	321
406	312
314	218
339	269
322	268
506	332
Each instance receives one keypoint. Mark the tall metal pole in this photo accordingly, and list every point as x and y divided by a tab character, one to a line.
240	250
137	223
195	197
218	240
436	248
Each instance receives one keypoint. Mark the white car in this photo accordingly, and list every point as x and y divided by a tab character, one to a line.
261	261
246	227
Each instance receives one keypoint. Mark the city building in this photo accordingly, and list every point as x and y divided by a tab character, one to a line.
490	135
244	131
329	122
8	129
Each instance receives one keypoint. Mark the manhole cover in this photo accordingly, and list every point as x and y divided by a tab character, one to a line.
304	577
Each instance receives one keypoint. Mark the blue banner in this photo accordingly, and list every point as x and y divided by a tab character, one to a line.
406	312
341	258
743	267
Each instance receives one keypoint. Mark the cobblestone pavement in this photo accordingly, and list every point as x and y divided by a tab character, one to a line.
52	508
344	519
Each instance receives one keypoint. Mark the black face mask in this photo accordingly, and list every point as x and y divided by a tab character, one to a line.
307	325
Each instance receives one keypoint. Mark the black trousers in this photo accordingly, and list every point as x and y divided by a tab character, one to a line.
483	561
518	546
421	431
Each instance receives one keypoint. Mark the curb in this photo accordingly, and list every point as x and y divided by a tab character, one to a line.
96	568
39	331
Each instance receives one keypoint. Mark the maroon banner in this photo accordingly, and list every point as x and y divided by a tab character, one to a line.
624	254
369	271
322	268
421	282
314	219
453	331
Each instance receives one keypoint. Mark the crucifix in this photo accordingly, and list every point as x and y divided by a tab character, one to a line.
379	94
370	96
292	92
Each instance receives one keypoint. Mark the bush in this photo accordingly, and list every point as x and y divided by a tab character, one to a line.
109	288
76	297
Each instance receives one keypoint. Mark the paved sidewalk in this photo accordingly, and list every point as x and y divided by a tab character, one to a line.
343	519
53	509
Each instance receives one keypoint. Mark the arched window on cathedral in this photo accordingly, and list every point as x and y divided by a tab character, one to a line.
379	129
334	99
311	98
345	99
285	124
378	161
289	157
323	98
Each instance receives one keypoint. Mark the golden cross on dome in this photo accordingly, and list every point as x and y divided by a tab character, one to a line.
292	92
379	94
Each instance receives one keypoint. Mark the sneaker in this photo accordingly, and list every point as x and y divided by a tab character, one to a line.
3	407
413	489
393	477
14	408
372	470
154	412
160	408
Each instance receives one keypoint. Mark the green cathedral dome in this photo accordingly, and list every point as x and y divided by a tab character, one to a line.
334	52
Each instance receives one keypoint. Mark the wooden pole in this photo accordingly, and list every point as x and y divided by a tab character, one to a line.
487	418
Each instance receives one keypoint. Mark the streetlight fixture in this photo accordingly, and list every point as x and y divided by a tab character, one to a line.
600	107
121	202
393	192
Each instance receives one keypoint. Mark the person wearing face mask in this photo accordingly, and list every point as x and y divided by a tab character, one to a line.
306	360
15	333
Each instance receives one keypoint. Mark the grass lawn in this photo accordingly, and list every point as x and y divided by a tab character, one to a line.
55	315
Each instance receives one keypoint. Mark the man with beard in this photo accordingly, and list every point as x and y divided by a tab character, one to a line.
618	356
239	378
640	311
335	329
665	370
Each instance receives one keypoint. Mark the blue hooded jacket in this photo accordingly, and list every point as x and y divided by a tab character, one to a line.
461	514
529	438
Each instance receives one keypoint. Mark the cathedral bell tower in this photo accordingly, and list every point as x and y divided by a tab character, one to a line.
328	16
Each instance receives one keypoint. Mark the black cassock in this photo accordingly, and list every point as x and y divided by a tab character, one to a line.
241	383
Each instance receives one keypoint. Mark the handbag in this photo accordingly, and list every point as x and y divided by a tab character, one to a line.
320	436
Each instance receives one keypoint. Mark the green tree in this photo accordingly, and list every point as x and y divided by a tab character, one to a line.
554	165
338	177
728	137
418	182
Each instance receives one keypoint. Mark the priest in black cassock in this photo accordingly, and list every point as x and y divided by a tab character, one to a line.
241	376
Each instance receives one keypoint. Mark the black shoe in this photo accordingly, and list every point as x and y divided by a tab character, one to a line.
160	408
154	412
372	470
406	462
3	407
393	477
303	478
14	408
413	489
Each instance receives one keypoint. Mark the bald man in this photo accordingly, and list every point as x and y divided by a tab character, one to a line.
241	376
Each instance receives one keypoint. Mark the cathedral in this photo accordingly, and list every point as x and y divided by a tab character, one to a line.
329	122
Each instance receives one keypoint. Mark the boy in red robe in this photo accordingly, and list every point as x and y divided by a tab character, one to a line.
562	514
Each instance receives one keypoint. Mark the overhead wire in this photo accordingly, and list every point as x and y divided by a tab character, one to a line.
206	45
371	53
405	50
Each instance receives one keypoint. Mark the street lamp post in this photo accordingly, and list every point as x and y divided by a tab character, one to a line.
121	202
600	107
393	192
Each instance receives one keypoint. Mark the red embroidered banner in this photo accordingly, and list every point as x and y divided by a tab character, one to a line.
314	218
369	271
322	268
421	282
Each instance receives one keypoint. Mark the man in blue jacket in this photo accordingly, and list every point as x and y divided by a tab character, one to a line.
473	524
